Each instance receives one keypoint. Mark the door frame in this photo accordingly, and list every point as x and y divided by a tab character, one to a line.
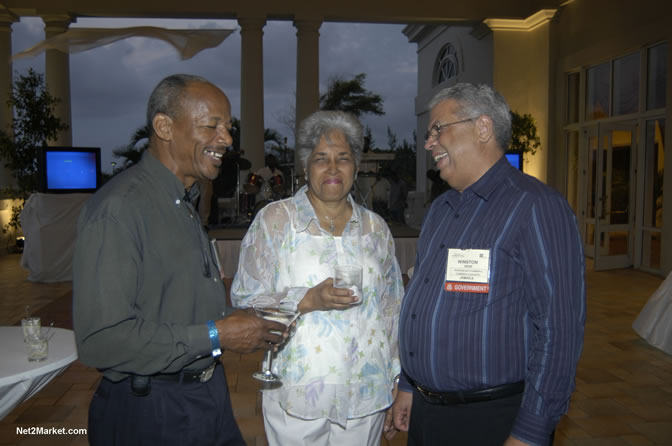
599	249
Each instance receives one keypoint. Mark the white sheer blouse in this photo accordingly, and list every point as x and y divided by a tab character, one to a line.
337	364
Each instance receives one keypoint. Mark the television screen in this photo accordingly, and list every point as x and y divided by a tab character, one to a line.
515	159
70	169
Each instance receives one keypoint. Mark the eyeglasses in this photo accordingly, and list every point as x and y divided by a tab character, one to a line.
435	130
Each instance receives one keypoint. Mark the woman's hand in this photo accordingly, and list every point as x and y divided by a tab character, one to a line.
325	297
389	429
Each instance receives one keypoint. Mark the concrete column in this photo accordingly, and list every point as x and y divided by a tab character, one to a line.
57	75
526	43
307	67
666	242
252	90
6	81
526	91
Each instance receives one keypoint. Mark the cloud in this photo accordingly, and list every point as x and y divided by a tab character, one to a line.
110	85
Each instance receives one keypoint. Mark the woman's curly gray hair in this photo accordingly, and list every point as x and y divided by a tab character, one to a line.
322	123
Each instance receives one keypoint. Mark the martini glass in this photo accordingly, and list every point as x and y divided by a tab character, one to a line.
280	314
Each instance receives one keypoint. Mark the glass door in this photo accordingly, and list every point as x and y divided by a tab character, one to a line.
590	171
610	194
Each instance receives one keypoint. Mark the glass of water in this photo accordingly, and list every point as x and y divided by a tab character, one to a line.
31	327
38	347
350	277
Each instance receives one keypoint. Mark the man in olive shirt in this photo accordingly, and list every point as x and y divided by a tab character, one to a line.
148	301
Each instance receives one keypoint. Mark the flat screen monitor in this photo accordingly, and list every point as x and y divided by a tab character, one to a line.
69	169
515	159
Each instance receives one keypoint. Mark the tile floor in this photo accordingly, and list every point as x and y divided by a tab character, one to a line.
623	394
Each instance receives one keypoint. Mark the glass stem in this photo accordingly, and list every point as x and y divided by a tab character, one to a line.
268	356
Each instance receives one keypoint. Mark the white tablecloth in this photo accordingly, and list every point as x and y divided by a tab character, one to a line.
19	378
49	223
229	251
654	322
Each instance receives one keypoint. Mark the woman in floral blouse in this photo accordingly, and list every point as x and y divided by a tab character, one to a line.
338	368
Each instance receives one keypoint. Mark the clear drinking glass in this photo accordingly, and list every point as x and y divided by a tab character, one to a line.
38	347
350	277
280	314
31	327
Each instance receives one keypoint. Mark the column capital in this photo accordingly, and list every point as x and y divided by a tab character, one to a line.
6	20
250	23
304	24
57	22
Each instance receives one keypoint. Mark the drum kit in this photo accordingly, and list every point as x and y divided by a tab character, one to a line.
255	192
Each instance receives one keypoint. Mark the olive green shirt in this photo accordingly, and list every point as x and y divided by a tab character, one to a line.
145	280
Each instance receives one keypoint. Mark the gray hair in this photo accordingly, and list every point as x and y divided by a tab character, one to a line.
322	123
167	96
477	100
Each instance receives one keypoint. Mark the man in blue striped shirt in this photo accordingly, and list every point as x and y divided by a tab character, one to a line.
491	327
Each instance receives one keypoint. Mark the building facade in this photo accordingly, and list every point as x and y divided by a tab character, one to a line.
594	74
596	77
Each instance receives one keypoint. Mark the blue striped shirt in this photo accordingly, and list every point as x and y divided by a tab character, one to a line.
529	326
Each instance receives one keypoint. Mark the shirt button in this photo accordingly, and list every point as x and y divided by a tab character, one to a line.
442	246
457	215
426	280
410	354
413	316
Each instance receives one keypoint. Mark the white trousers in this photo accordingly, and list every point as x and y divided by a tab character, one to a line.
282	429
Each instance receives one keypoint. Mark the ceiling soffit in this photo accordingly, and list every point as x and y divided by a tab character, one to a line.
374	11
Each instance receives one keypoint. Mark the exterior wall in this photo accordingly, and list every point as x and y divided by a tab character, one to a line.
529	68
588	32
521	75
474	65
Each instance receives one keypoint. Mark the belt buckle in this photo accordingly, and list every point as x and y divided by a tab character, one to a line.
425	393
206	374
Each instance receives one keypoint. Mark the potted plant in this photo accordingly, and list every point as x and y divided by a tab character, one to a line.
524	138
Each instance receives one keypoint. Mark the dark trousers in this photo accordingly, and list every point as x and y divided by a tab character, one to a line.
474	424
173	413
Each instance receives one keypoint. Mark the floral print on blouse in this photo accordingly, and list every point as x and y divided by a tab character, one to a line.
337	364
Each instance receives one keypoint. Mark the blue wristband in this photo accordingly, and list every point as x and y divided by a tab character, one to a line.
214	339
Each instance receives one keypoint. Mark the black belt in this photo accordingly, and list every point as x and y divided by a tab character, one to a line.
474	396
185	376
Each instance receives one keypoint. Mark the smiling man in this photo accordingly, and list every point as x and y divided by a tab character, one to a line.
491	326
148	302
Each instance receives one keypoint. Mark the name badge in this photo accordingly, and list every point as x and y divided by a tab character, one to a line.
468	271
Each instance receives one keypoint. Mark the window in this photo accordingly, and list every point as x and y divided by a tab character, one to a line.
657	74
598	92
573	97
654	169
653	173
573	171
626	85
446	64
613	88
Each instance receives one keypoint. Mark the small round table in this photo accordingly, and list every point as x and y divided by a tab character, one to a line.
19	378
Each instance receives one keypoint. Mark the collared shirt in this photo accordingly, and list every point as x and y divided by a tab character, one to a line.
529	326
144	277
338	364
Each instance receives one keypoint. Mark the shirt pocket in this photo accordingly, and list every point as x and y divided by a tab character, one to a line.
506	279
